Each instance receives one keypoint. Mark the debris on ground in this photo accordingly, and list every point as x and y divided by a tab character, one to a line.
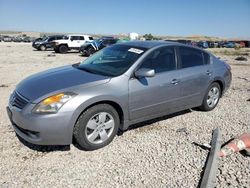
51	55
241	58
202	146
242	78
236	145
209	176
4	85
182	130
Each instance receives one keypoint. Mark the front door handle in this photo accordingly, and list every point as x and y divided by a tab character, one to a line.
175	81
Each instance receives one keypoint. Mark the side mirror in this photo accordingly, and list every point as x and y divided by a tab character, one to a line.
143	72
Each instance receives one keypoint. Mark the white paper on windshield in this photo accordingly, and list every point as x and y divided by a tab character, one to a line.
134	50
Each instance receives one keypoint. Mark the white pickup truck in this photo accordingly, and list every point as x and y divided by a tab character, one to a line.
70	42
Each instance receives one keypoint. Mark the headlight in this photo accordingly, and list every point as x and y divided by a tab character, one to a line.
53	103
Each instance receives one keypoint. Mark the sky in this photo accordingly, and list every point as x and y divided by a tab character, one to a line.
222	18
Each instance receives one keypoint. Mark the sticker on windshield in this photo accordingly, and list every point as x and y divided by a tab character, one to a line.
134	50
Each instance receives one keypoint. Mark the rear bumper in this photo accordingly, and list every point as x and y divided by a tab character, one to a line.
50	129
228	81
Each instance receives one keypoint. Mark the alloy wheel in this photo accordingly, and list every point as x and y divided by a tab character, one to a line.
213	97
99	128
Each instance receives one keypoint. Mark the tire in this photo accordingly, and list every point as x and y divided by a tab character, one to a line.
90	51
56	50
42	48
91	133
211	98
63	49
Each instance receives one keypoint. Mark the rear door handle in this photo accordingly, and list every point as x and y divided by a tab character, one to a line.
175	81
209	73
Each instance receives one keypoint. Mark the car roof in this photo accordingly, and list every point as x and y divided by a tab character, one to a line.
149	44
78	35
155	43
56	36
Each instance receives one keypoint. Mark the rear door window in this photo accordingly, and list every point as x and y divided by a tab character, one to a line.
190	57
82	38
74	38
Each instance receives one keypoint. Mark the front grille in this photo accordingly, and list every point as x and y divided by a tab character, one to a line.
18	100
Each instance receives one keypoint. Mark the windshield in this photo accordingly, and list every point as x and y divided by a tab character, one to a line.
45	38
97	41
65	37
112	61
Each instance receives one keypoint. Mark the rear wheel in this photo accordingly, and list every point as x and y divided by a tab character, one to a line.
63	49
96	127
212	97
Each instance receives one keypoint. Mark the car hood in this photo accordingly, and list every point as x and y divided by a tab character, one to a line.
58	79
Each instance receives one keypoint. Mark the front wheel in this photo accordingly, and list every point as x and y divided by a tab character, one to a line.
90	51
96	127
42	48
211	98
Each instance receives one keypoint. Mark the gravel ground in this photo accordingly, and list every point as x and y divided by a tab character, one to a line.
159	153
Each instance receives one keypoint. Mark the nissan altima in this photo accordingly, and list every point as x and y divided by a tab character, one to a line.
116	87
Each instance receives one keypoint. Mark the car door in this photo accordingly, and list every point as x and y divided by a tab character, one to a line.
196	73
49	43
74	42
82	40
159	94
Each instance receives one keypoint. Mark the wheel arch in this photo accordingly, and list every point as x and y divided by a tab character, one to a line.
221	83
115	105
85	106
63	44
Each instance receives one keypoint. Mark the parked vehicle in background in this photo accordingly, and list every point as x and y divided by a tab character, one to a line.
70	42
46	43
26	39
38	39
118	86
216	44
7	39
193	43
17	39
230	44
202	44
90	48
242	44
211	44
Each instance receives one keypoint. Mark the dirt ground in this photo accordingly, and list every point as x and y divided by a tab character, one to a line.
159	153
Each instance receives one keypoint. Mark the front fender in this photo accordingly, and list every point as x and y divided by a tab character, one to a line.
93	100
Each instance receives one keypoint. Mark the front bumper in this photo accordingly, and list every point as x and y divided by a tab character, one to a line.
36	46
49	129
